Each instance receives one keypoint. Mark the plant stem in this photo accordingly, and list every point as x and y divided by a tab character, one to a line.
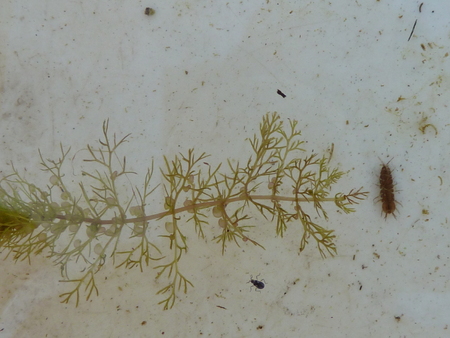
203	205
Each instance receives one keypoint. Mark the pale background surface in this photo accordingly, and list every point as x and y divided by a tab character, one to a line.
202	74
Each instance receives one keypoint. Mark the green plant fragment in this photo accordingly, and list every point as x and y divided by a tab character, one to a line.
101	223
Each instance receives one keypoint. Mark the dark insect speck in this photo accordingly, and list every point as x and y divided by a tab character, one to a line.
279	92
258	284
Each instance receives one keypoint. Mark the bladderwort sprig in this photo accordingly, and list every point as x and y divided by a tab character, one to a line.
110	220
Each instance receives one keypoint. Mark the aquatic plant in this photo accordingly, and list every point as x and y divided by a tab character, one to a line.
102	223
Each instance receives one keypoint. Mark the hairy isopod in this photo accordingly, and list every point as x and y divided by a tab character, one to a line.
387	194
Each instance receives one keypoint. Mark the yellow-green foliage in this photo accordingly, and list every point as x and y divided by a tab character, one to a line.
14	226
85	227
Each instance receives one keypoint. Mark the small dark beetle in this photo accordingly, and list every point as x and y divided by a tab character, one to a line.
258	284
